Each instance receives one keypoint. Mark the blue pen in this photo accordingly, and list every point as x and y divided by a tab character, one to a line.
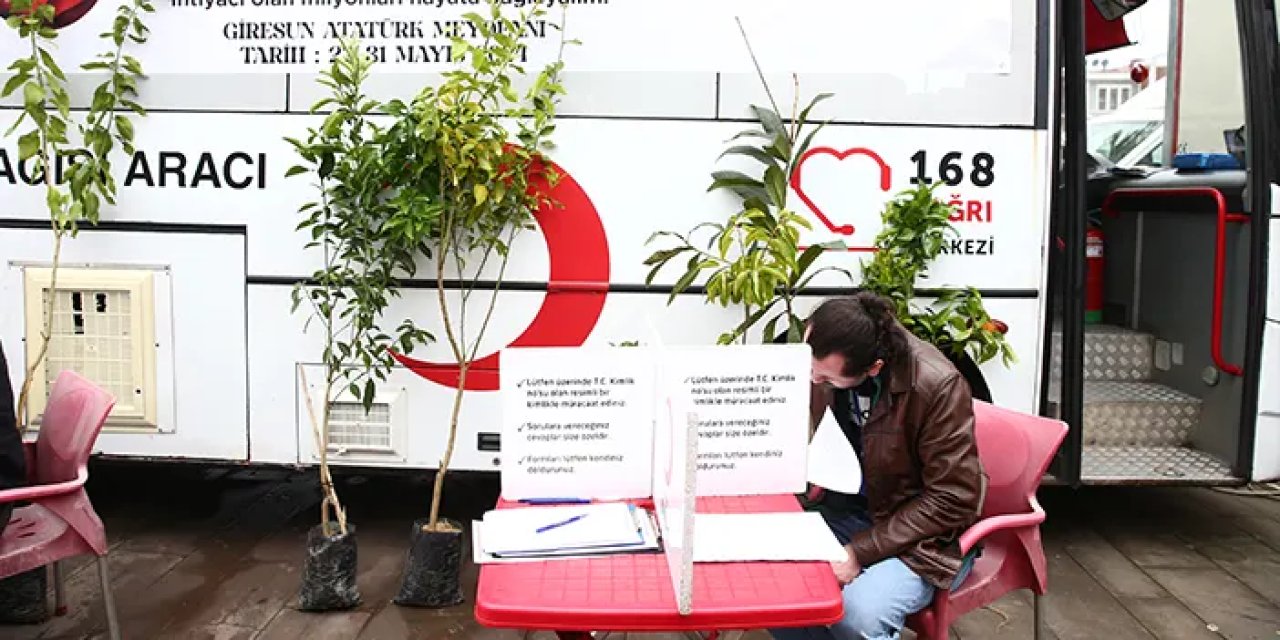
562	523
555	501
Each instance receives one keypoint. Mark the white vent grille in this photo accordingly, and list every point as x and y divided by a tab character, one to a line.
351	429
104	329
378	436
92	335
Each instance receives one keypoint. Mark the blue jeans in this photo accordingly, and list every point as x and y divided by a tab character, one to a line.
878	601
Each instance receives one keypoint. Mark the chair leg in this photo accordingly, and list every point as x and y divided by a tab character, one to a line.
113	624
59	590
1037	615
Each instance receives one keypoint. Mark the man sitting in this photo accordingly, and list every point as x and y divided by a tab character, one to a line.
908	413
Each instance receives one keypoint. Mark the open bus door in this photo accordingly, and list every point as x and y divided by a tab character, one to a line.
1159	381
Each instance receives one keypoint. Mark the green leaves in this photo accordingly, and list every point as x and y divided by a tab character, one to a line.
457	188
754	153
916	226
351	222
29	144
438	178
46	105
33	95
776	183
76	179
753	260
17	80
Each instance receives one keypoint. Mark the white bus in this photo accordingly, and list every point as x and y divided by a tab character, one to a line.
179	299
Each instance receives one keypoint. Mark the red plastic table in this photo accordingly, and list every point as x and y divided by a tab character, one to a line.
633	592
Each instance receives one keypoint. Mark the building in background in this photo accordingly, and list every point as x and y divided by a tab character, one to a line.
1111	83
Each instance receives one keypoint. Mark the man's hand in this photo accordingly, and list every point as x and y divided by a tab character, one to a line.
847	570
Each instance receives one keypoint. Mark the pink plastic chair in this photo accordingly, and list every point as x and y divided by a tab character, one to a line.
1016	449
60	522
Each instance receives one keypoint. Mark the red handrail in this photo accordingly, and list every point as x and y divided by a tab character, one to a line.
1219	253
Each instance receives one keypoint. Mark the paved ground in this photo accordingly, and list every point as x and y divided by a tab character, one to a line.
216	555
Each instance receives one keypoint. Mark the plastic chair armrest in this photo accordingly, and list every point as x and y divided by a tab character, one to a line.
45	490
987	526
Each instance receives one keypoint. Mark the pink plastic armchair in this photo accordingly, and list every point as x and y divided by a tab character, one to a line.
1016	450
60	522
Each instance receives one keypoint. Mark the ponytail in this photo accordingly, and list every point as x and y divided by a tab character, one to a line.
889	341
861	327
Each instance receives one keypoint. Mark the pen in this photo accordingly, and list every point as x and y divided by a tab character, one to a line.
553	525
555	501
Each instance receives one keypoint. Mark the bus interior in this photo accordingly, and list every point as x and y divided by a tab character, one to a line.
1150	288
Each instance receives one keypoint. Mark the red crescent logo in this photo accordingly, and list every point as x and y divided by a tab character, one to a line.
797	184
578	252
66	12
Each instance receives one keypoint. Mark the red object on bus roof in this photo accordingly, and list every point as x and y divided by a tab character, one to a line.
1101	34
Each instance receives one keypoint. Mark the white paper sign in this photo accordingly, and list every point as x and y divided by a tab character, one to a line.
753	405
576	421
581	422
797	36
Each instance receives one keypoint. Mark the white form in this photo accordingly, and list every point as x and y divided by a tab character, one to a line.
761	537
833	464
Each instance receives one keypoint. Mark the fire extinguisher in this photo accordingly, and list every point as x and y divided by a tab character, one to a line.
1093	282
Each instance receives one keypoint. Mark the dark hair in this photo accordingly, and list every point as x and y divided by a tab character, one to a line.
860	327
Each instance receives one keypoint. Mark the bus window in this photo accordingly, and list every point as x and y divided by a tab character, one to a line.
1154	158
1117	140
1208	98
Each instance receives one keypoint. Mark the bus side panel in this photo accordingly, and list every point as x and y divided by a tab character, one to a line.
641	145
418	409
646	176
627	94
196	315
158	92
639	176
277	344
974	99
1266	451
202	169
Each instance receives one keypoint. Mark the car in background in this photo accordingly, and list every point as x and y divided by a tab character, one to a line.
1133	134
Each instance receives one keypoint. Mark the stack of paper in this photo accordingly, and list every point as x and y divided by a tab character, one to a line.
539	532
833	464
800	536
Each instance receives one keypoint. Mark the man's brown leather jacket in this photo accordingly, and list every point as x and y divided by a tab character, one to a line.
921	475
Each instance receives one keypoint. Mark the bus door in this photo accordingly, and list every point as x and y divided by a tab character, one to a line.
1159	278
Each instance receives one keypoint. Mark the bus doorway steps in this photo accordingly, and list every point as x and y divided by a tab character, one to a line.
1136	431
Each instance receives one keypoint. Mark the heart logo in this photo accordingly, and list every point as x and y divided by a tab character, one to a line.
825	216
66	12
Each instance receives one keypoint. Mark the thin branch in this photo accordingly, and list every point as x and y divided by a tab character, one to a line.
465	295
320	430
756	62
795	118
441	257
464	363
494	300
47	153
